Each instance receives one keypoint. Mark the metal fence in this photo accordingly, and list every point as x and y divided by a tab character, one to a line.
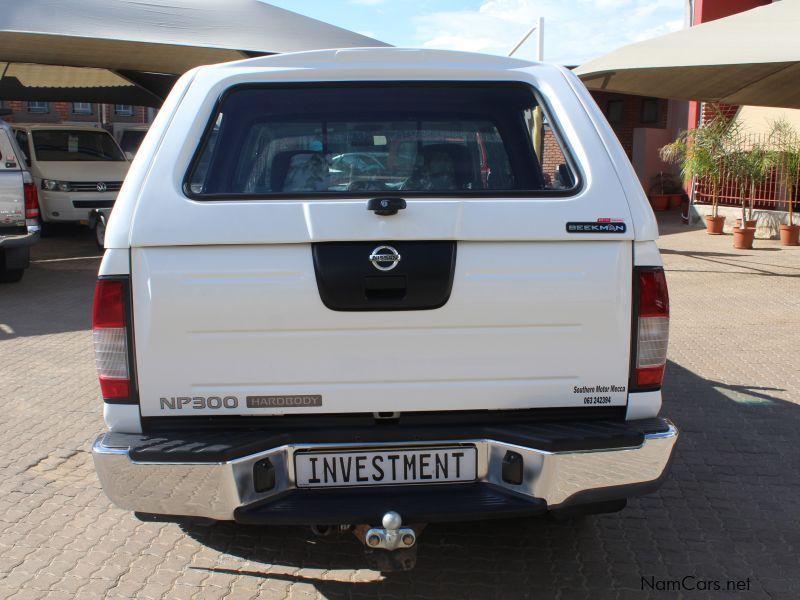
769	192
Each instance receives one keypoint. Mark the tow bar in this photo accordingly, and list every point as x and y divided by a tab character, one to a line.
391	547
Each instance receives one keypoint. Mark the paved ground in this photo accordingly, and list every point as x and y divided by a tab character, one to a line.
729	510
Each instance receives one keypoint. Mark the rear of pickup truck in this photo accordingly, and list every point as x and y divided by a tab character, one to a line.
19	210
345	296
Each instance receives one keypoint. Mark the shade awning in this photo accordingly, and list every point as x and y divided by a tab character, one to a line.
145	45
22	81
751	58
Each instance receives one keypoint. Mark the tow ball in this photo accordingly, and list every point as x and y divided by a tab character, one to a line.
392	536
391	547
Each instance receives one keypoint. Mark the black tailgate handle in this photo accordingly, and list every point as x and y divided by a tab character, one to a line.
385	288
386	206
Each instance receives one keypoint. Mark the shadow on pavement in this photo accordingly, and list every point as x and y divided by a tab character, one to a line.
55	294
735	260
53	297
726	512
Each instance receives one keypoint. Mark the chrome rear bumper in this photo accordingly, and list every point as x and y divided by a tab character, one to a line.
216	490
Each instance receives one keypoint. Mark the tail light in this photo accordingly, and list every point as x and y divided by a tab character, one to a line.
31	196
110	332
651	323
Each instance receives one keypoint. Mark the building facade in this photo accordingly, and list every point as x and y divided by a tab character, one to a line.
86	113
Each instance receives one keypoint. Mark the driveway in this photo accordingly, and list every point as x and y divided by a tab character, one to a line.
728	512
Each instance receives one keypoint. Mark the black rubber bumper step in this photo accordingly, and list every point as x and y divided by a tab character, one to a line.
415	504
224	445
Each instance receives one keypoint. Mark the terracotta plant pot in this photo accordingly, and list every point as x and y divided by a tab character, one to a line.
748	223
675	201
790	235
714	225
743	238
659	201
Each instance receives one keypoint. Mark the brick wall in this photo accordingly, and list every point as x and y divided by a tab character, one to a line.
552	154
63	112
713	109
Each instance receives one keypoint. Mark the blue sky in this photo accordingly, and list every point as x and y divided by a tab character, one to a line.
575	30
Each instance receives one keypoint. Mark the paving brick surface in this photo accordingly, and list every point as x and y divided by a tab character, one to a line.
729	510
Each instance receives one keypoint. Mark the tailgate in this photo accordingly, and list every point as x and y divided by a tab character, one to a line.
505	282
527	324
12	198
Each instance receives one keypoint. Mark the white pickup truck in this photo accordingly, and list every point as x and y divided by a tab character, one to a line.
19	209
371	289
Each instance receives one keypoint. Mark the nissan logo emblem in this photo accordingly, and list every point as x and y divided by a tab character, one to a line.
384	258
101	187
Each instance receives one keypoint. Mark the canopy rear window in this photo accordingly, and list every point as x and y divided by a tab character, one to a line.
66	145
372	139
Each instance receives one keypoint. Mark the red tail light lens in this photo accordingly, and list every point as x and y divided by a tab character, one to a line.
652	328
109	330
31	198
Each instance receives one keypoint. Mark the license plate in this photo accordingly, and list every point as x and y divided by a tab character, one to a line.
385	467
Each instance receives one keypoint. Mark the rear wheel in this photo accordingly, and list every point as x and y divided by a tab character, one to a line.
11	275
100	232
45	229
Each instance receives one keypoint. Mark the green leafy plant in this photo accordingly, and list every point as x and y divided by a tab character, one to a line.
700	153
748	163
784	141
665	183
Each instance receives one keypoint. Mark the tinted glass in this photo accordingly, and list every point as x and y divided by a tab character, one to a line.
424	139
22	142
131	140
66	145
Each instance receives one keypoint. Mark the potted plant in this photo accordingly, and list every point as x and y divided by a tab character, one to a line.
784	139
665	191
748	163
700	152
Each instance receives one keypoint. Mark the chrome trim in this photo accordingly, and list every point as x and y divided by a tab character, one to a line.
215	490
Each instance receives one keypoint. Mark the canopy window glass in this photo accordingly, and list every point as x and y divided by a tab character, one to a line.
66	145
424	139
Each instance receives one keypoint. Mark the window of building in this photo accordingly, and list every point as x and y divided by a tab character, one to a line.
123	110
38	106
649	110
615	111
82	108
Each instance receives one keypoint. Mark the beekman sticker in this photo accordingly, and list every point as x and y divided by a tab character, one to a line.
589	227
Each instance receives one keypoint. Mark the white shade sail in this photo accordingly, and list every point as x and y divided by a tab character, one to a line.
143	46
751	58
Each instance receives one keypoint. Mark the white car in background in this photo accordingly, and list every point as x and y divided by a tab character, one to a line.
77	169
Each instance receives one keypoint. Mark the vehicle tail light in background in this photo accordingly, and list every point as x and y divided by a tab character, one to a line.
31	196
109	329
652	328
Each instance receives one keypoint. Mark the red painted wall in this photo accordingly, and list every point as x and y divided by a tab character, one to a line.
709	10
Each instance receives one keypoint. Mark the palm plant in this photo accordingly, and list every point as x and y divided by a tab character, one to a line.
748	163
784	139
700	153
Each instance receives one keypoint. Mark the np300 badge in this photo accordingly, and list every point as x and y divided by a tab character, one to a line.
384	258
